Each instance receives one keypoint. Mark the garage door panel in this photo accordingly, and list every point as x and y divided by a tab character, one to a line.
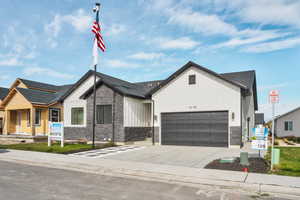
195	128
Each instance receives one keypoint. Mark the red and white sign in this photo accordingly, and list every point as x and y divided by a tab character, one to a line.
274	96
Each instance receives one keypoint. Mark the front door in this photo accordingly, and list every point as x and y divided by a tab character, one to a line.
18	124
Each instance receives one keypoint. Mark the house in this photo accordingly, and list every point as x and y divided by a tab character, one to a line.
193	106
3	93
30	105
287	125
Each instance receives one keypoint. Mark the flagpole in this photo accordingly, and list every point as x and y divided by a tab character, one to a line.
96	9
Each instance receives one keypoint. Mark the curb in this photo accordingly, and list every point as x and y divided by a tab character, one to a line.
235	186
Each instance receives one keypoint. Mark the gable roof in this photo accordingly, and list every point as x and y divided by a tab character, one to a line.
138	90
192	64
40	85
3	92
287	113
247	78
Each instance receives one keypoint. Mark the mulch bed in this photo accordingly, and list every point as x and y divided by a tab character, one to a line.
257	165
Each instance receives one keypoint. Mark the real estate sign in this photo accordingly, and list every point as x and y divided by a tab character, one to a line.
56	132
260	141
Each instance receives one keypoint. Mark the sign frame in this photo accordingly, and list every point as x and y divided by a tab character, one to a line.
56	133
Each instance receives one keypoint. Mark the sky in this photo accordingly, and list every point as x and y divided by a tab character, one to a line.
51	41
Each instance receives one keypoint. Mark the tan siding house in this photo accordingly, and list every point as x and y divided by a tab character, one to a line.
29	106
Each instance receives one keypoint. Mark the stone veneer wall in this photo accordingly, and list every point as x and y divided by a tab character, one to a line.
235	135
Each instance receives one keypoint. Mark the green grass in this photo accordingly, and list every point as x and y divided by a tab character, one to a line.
289	161
54	148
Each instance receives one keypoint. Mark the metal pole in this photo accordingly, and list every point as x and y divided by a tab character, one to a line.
273	129
96	9
94	105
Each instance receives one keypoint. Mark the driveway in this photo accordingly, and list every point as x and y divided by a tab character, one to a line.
197	157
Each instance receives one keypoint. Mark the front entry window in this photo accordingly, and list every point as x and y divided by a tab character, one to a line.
54	114
38	116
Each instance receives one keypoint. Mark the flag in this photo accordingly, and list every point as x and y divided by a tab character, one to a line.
98	41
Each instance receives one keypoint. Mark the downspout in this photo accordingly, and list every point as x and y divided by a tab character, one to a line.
153	135
113	117
241	121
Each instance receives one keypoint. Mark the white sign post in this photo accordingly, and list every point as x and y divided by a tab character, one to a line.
273	98
56	132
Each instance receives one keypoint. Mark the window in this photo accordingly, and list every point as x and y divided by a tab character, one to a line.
38	116
192	79
77	116
288	126
54	114
104	114
28	118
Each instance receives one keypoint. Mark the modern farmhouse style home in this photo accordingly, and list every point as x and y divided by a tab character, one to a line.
29	106
194	106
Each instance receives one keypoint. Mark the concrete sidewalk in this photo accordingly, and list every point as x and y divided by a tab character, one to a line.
251	182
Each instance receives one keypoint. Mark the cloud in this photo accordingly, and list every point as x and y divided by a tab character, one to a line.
78	19
251	37
115	29
273	46
10	62
200	22
4	77
274	12
120	64
183	43
29	71
146	56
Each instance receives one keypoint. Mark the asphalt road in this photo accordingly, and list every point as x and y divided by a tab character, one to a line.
38	183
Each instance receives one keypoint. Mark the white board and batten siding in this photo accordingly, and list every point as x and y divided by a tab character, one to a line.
137	113
210	93
73	101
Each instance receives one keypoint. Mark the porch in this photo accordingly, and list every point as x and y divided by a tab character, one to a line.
27	122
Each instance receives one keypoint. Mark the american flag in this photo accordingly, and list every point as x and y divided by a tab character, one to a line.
98	38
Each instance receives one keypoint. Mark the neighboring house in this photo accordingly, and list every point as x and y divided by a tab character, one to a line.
3	93
259	119
30	105
287	125
194	106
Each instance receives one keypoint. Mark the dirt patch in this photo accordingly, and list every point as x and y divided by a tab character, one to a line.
256	165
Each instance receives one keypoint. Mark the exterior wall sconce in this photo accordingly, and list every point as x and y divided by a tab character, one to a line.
232	116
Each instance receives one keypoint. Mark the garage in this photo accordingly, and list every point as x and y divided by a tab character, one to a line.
195	128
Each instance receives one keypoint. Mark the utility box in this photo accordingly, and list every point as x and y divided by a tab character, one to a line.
276	156
244	158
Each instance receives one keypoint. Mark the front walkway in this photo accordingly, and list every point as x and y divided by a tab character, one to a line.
100	153
249	182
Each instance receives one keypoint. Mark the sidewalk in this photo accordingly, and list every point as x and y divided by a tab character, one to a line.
223	179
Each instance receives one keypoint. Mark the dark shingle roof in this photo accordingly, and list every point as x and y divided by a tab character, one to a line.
3	92
42	97
39	85
246	78
243	80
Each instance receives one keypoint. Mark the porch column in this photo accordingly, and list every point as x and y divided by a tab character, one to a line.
6	122
32	120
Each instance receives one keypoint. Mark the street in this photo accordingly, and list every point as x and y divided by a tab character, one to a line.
30	182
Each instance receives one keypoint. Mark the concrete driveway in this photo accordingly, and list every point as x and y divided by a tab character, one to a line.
197	157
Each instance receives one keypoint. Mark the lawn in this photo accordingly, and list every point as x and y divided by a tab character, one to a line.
289	161
55	148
